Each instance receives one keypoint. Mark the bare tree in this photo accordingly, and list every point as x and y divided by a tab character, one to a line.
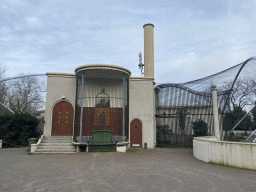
24	94
3	88
243	92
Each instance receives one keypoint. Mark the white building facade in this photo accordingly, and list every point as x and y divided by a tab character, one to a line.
104	97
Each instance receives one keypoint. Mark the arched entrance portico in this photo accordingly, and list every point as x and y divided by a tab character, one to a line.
102	101
62	119
136	133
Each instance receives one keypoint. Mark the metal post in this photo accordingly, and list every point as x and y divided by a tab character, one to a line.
215	112
75	121
164	127
7	107
82	108
127	110
123	107
240	121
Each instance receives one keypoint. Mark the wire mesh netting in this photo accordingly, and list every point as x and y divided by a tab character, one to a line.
23	93
180	107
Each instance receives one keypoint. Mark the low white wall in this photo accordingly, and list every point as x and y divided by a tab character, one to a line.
236	154
34	147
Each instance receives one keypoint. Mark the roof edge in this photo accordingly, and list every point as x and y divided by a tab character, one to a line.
102	66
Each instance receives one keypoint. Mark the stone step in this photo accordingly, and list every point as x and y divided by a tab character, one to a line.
51	152
70	136
56	150
56	141
57	147
56	144
58	138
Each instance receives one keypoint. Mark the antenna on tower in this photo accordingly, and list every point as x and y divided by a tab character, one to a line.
140	64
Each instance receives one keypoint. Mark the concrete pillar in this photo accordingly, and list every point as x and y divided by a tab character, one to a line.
0	144
215	112
148	50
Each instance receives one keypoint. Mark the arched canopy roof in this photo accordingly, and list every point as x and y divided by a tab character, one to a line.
103	71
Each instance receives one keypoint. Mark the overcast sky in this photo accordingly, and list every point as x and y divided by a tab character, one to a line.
193	39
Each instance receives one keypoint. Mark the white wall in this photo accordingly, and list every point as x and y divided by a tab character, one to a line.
58	85
236	154
142	106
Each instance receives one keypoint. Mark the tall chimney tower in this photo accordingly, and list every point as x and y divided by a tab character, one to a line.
149	50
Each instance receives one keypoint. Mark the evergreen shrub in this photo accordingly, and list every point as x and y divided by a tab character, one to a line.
200	128
16	129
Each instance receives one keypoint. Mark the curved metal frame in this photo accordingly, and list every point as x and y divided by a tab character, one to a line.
181	86
20	76
245	62
189	90
97	96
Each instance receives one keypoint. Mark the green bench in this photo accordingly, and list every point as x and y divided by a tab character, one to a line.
102	140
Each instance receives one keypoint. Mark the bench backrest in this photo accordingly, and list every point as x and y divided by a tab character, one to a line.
102	136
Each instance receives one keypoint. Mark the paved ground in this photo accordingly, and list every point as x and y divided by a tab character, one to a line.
137	170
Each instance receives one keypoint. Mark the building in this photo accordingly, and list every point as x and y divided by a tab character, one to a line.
104	97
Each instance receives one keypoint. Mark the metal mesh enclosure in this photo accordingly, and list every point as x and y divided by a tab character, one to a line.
179	105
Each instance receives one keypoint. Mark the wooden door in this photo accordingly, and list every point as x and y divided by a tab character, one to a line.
136	133
62	119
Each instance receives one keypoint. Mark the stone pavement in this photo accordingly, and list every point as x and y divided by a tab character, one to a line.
160	169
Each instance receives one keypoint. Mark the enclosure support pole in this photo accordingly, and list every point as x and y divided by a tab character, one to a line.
123	107
7	107
240	122
82	108
215	112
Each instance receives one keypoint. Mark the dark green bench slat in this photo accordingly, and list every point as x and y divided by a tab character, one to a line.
102	136
102	140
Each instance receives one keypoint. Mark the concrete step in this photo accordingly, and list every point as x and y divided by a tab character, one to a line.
51	152
57	147
56	144
56	150
58	138
56	141
61	136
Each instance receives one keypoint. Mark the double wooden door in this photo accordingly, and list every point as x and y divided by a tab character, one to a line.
62	119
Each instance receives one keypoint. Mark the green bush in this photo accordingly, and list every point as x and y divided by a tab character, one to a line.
232	118
16	129
200	128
